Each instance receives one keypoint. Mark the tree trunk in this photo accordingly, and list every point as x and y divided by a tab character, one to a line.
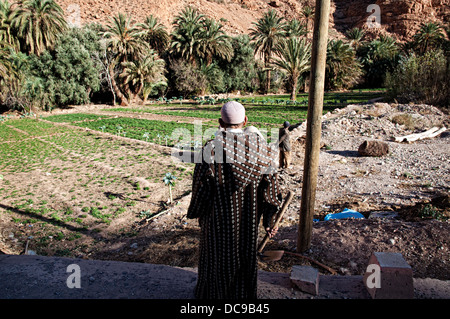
119	94
138	92
267	66
294	89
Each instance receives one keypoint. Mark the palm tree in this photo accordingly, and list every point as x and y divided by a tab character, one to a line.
123	40
38	24
294	28
308	15
429	36
343	70
295	59
149	69
214	42
269	31
356	36
149	87
154	33
378	57
6	68
196	37
186	34
19	68
6	32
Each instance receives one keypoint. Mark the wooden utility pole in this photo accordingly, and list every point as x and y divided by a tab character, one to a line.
314	123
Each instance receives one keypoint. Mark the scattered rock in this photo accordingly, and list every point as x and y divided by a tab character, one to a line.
275	4
373	148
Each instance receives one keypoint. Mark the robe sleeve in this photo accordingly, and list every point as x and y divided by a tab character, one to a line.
270	198
202	191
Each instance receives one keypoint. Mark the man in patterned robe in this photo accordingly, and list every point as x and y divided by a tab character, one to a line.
233	186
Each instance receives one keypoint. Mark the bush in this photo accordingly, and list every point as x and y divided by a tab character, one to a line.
421	79
68	74
241	71
214	77
186	79
378	57
404	119
238	74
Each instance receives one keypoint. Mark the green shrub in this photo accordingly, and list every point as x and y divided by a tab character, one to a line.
214	77
429	211
421	79
67	74
378	57
241	71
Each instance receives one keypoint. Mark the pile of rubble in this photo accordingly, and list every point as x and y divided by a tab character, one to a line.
378	121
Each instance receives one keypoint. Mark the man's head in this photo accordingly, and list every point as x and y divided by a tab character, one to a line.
286	124
232	115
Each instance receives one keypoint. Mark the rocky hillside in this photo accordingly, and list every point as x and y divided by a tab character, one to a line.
400	18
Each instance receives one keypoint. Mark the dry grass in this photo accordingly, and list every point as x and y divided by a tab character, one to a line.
404	119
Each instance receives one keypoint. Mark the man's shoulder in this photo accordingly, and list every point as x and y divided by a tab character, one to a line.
239	147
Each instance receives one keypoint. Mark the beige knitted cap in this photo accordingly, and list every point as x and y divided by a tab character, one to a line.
233	112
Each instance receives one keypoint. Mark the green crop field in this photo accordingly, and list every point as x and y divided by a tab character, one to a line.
160	132
62	186
262	111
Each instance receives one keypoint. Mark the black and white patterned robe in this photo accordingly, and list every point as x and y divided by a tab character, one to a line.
233	186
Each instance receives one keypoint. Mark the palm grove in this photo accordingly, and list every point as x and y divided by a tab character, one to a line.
46	63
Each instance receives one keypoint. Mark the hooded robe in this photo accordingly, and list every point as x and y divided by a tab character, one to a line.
233	186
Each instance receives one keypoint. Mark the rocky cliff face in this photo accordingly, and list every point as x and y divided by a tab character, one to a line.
400	18
235	15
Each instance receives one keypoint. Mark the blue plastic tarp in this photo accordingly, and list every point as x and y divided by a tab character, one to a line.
346	213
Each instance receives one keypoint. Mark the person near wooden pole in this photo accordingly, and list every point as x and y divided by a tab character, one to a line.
234	186
284	144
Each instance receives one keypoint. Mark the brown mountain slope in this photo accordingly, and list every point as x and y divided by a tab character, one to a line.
401	18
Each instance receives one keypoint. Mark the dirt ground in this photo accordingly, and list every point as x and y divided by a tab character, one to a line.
412	181
399	182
